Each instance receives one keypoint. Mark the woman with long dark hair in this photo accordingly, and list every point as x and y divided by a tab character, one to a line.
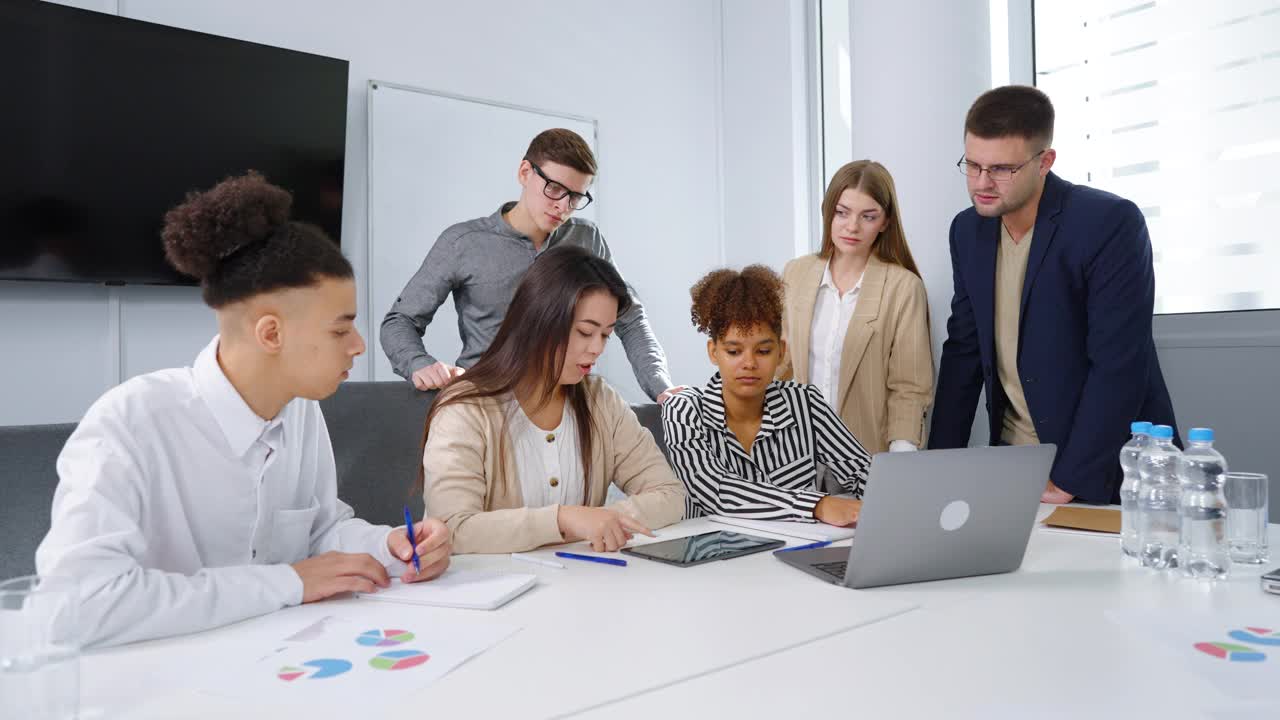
519	452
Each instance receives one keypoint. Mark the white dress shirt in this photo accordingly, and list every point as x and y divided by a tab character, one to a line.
831	314
548	463
178	509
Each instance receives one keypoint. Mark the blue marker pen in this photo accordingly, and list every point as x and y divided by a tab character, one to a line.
810	546
408	530
592	558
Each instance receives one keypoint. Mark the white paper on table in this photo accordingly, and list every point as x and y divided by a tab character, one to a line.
468	589
356	660
1223	648
807	531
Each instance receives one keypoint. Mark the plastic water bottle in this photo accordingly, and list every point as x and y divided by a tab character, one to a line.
1129	487
1158	501
1202	509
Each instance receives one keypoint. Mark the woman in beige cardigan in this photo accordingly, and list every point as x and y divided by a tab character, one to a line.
520	451
857	319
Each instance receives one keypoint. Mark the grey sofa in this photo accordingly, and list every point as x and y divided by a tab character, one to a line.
376	429
28	475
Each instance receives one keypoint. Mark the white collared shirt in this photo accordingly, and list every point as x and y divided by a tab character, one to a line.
831	315
179	509
548	463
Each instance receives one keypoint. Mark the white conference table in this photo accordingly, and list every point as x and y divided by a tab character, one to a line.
752	637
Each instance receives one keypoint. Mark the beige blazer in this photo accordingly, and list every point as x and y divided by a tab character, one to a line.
886	366
466	487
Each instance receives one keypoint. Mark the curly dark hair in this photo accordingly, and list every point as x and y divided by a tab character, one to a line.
727	299
237	239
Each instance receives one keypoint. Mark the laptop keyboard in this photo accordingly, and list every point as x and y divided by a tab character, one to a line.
834	569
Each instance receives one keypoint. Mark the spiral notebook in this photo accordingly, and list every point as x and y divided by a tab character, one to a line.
468	589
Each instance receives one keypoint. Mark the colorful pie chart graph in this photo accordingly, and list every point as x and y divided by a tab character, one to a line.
384	638
1230	652
399	660
1256	636
314	670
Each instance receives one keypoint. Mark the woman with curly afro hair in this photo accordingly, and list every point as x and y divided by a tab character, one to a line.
745	444
196	497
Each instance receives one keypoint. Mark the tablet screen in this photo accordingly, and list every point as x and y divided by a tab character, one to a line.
708	546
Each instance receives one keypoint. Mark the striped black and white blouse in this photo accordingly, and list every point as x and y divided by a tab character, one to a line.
777	480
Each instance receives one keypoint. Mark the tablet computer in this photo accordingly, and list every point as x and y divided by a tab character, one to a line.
696	549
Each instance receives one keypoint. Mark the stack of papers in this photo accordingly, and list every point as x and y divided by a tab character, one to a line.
807	531
470	589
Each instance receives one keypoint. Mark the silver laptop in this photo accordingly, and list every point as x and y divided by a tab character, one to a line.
938	514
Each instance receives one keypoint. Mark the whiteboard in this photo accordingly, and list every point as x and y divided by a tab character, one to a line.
435	160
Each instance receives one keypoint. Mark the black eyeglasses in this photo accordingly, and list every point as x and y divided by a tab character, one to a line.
556	191
998	173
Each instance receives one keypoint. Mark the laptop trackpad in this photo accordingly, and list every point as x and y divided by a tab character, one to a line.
827	562
821	555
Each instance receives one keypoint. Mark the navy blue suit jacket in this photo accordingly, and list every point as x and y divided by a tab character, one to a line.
1085	353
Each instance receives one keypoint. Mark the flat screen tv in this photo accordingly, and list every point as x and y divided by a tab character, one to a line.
108	122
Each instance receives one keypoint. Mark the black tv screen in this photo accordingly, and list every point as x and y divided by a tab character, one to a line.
109	122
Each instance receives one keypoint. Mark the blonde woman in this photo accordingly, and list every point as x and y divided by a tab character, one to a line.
856	318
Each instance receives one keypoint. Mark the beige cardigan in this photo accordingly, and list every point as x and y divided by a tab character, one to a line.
483	506
886	364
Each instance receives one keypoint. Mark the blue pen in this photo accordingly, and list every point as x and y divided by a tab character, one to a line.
810	546
408	530
592	558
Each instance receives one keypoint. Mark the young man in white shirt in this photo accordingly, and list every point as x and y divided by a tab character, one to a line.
195	497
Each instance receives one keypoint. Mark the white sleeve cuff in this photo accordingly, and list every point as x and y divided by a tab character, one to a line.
902	446
284	581
382	553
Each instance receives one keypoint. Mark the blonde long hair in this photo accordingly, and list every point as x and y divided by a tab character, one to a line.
873	179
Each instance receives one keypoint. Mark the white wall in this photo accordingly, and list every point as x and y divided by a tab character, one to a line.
769	207
917	65
659	76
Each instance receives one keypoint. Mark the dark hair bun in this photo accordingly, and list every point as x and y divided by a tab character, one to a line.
211	225
727	299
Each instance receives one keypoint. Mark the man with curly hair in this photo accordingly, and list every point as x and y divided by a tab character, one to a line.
190	498
748	445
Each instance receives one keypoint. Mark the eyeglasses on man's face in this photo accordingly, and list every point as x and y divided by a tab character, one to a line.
998	173
556	191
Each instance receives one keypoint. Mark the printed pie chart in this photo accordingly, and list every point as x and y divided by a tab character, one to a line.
1256	635
314	670
399	660
384	638
1230	652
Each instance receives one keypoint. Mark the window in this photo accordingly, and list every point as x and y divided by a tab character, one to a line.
1176	106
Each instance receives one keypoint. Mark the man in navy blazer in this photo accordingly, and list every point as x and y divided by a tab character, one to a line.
1054	291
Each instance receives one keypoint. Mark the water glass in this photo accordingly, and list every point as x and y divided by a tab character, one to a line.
39	648
1246	516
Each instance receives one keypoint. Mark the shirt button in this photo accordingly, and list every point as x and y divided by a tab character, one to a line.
555	482
551	437
254	554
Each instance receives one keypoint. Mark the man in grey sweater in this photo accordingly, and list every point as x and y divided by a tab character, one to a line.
481	261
